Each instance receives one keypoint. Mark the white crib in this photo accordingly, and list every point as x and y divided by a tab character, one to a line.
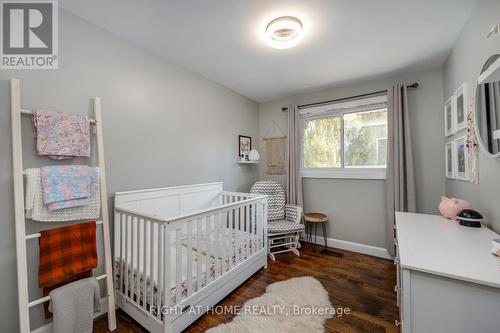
180	250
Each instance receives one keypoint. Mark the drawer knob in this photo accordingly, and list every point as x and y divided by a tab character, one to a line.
397	322
397	289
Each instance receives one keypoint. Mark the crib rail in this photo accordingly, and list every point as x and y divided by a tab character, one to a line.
161	262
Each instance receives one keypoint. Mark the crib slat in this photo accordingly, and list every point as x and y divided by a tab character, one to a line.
140	272
178	265
151	267
140	288
160	272
208	249
168	265
199	255
224	237
228	240
218	259
146	260
237	257
234	244
239	218
254	227
127	251
133	256
247	231
122	248
242	237
217	244
189	275
118	250
231	239
258	226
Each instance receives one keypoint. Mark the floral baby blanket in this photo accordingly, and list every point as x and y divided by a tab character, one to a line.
61	135
38	211
68	185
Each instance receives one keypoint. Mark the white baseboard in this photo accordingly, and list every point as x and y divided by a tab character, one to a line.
355	247
47	328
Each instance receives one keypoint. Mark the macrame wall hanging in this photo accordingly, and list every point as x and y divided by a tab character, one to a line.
471	142
275	150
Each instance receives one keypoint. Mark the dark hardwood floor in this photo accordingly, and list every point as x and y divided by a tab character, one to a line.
362	283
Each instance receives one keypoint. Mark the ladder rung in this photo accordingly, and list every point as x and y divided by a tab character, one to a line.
24	111
37	235
47	298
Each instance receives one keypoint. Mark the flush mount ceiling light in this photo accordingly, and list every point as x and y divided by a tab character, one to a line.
284	32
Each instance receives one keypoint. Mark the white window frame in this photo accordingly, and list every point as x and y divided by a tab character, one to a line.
339	110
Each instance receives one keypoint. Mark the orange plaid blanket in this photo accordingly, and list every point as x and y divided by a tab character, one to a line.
65	252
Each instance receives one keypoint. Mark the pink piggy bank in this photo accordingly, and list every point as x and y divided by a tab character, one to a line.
450	207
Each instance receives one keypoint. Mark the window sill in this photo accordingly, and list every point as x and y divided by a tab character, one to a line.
354	173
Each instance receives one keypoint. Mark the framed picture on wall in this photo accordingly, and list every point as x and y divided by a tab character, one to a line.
461	102
449	112
450	165
245	145
461	159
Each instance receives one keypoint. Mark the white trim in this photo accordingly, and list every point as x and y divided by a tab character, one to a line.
345	173
355	247
47	328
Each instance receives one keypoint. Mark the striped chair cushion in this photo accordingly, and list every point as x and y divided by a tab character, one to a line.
279	226
276	198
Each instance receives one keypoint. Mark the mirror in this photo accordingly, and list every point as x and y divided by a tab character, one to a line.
488	107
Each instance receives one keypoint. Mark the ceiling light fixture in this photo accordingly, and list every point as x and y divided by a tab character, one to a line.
284	32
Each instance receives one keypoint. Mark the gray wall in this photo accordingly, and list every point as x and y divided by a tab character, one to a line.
464	64
357	207
163	126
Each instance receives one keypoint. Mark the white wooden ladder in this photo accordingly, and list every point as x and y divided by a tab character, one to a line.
22	238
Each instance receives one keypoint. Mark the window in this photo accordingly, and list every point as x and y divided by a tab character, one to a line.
345	140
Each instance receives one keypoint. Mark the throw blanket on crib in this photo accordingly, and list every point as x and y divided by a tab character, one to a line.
66	252
68	186
73	306
37	210
61	135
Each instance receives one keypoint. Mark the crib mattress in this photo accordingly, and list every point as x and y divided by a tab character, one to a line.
133	287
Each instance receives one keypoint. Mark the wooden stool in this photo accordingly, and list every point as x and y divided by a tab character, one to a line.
313	219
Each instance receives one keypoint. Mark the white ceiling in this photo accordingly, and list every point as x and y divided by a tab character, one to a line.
345	40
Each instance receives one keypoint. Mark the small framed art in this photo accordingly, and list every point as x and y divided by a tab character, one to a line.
461	158
449	113
245	145
461	103
450	165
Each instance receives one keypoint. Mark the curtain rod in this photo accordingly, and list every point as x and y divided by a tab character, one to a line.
413	85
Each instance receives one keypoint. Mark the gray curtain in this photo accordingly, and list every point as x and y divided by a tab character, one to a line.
293	177
400	183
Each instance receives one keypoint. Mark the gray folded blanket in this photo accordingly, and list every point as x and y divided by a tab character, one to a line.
73	306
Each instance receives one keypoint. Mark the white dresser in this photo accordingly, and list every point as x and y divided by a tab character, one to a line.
448	281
